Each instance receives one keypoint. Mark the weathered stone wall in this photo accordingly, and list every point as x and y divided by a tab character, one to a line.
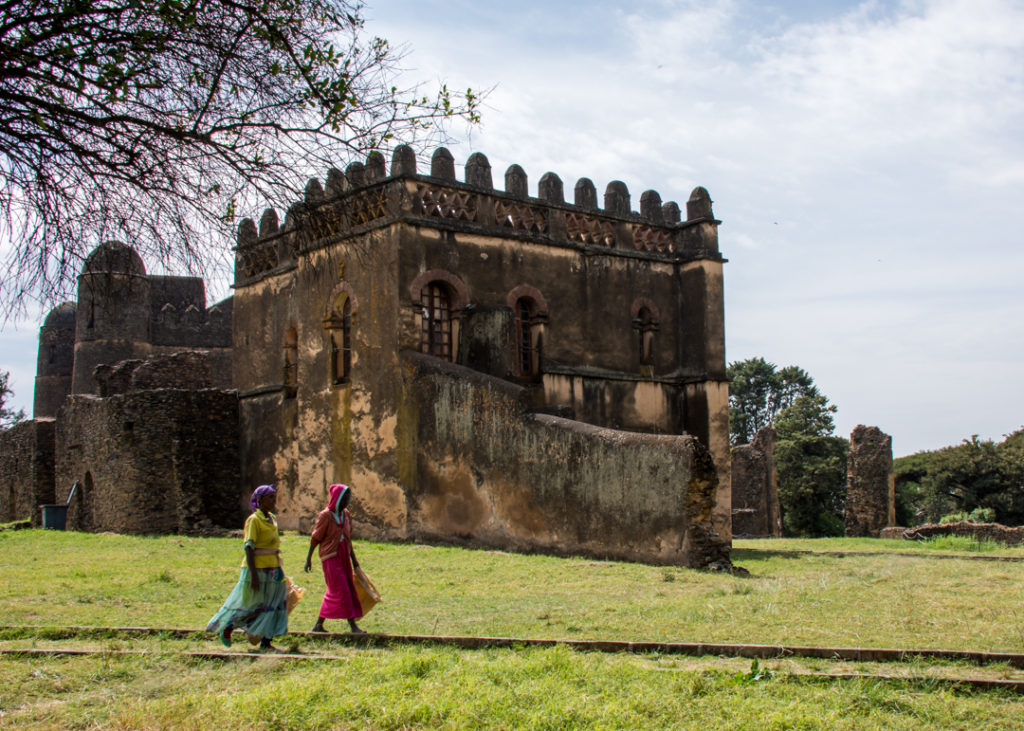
55	361
159	461
755	487
489	473
26	470
604	285
321	431
1011	536
870	487
488	341
187	369
122	313
179	317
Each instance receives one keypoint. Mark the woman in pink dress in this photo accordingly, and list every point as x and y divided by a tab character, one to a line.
333	534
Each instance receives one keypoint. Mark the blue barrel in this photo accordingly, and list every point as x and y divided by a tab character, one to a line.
54	516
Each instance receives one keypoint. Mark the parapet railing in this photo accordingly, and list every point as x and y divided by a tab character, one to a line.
365	196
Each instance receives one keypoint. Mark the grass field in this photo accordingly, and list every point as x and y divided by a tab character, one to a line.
879	600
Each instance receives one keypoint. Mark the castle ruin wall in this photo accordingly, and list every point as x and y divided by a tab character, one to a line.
870	487
26	470
755	488
157	461
490	473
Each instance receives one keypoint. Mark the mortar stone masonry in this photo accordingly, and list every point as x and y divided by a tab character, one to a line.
483	367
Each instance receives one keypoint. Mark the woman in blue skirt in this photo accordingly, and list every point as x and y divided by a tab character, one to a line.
257	603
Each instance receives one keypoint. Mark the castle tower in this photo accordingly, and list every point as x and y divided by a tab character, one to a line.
55	361
113	313
510	369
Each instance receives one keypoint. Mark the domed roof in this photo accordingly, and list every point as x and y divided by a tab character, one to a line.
115	258
63	316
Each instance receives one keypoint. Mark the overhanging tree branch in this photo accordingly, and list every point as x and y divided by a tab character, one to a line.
152	120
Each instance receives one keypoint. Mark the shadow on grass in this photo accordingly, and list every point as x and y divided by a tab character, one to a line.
758	554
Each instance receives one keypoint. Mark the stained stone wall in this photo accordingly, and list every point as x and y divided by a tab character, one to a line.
55	361
189	369
755	487
610	317
870	487
123	313
490	472
26	470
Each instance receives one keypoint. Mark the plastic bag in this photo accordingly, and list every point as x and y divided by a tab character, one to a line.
294	594
365	590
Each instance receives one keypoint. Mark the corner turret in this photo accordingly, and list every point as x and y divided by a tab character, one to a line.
113	313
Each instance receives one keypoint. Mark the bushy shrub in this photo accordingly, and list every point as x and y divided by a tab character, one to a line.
978	515
977	480
982	515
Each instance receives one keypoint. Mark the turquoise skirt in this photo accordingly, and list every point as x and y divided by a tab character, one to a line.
261	613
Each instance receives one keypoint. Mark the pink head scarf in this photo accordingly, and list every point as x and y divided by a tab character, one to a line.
334	504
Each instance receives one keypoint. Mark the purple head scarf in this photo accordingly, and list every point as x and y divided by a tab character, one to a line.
258	493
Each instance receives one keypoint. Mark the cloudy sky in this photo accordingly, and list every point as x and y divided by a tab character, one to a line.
867	160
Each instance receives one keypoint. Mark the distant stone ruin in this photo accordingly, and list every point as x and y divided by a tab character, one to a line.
755	488
1011	536
870	486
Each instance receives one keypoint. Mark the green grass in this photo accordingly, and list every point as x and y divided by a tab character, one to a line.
882	600
878	601
937	544
438	688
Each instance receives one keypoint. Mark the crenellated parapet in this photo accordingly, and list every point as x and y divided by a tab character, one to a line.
367	196
187	324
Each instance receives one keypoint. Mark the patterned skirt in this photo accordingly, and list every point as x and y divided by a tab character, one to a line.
261	613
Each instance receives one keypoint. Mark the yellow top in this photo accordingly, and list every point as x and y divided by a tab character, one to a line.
261	532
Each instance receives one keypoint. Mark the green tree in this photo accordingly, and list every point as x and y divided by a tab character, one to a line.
809	460
975	474
152	121
759	392
809	416
812	484
811	465
979	477
909	473
8	417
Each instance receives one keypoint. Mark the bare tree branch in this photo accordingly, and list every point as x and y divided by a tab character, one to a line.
152	121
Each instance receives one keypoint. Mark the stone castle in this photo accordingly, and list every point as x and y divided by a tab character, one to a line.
483	366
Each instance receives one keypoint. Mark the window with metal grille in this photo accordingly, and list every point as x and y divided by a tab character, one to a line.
436	332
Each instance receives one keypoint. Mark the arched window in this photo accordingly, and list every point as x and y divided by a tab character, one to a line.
524	336
290	377
530	310
436	330
646	324
340	326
